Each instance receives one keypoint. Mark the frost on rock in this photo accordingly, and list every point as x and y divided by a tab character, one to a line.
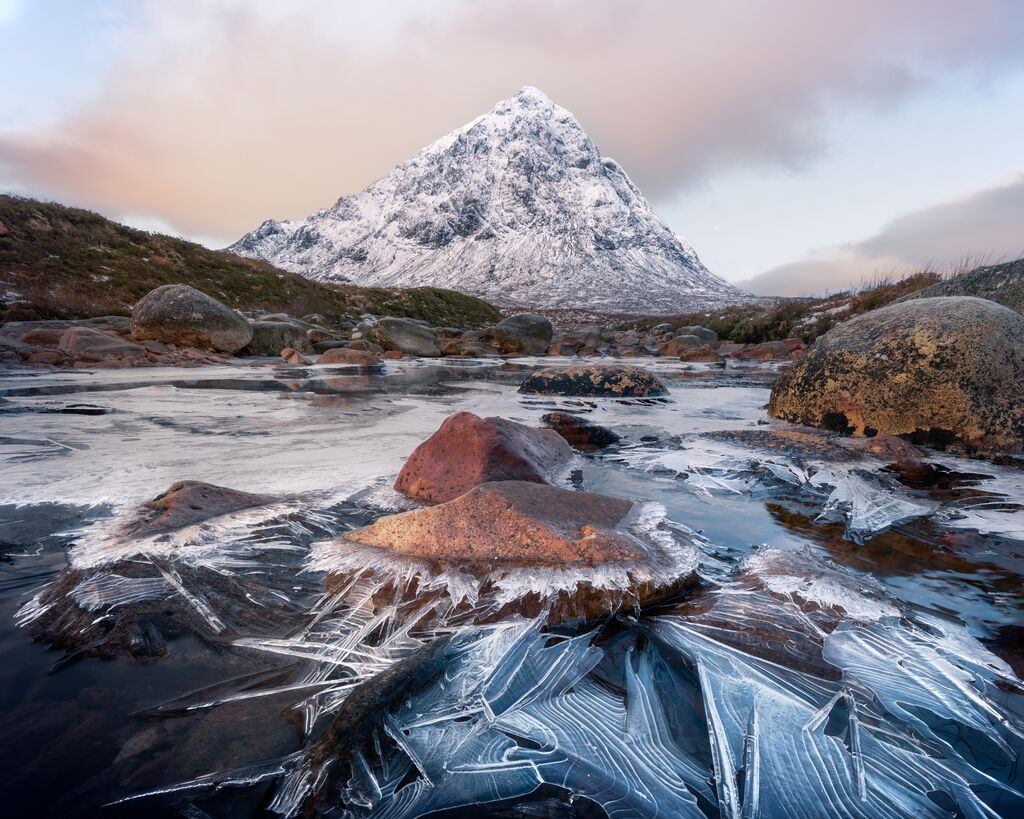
217	575
791	687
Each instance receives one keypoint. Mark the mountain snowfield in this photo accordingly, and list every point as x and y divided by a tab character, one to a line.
517	207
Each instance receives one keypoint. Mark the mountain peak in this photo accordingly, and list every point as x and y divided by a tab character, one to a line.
528	95
519	207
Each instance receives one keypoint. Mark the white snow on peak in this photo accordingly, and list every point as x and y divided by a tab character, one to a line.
519	207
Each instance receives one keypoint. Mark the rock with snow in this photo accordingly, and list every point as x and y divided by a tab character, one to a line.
518	207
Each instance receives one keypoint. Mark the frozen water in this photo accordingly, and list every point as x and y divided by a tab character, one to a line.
784	685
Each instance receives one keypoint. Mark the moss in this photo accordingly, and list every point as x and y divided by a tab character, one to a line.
68	263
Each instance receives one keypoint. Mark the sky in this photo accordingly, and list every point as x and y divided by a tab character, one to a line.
799	146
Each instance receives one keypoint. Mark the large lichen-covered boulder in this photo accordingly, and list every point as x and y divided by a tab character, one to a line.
939	371
606	382
406	336
179	314
524	333
270	337
467	451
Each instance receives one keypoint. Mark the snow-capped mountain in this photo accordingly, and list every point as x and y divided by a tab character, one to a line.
518	207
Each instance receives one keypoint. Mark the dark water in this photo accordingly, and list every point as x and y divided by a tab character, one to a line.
82	731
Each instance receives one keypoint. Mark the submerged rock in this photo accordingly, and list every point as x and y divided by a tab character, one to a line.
938	371
406	336
524	333
467	451
581	434
597	381
179	314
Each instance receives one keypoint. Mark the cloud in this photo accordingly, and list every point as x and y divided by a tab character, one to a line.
983	227
221	114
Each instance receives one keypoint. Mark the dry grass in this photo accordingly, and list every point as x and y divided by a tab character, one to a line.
61	262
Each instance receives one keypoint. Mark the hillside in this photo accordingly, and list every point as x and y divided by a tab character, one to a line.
1003	283
62	262
518	207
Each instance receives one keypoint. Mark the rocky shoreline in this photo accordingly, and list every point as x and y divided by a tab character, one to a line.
178	326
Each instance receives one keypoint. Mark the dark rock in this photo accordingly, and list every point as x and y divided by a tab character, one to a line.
581	434
525	333
937	371
679	345
609	381
182	315
405	336
270	337
703	333
467	451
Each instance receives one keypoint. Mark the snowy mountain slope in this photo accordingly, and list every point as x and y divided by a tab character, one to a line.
518	207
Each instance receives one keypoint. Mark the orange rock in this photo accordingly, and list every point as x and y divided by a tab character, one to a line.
293	356
353	358
468	450
393	354
511	521
704	354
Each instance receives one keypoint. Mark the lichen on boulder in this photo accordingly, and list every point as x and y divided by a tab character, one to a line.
940	371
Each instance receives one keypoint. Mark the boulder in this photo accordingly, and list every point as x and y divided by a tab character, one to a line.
525	333
597	381
87	344
294	357
765	351
936	371
703	333
511	521
405	336
581	433
270	337
704	354
179	314
679	345
350	357
477	349
368	346
467	451
187	503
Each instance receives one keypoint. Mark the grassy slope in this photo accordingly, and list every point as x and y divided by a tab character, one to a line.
805	318
61	262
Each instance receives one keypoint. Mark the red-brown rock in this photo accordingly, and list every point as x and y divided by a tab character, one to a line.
294	357
766	351
89	345
468	450
511	521
350	357
705	354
